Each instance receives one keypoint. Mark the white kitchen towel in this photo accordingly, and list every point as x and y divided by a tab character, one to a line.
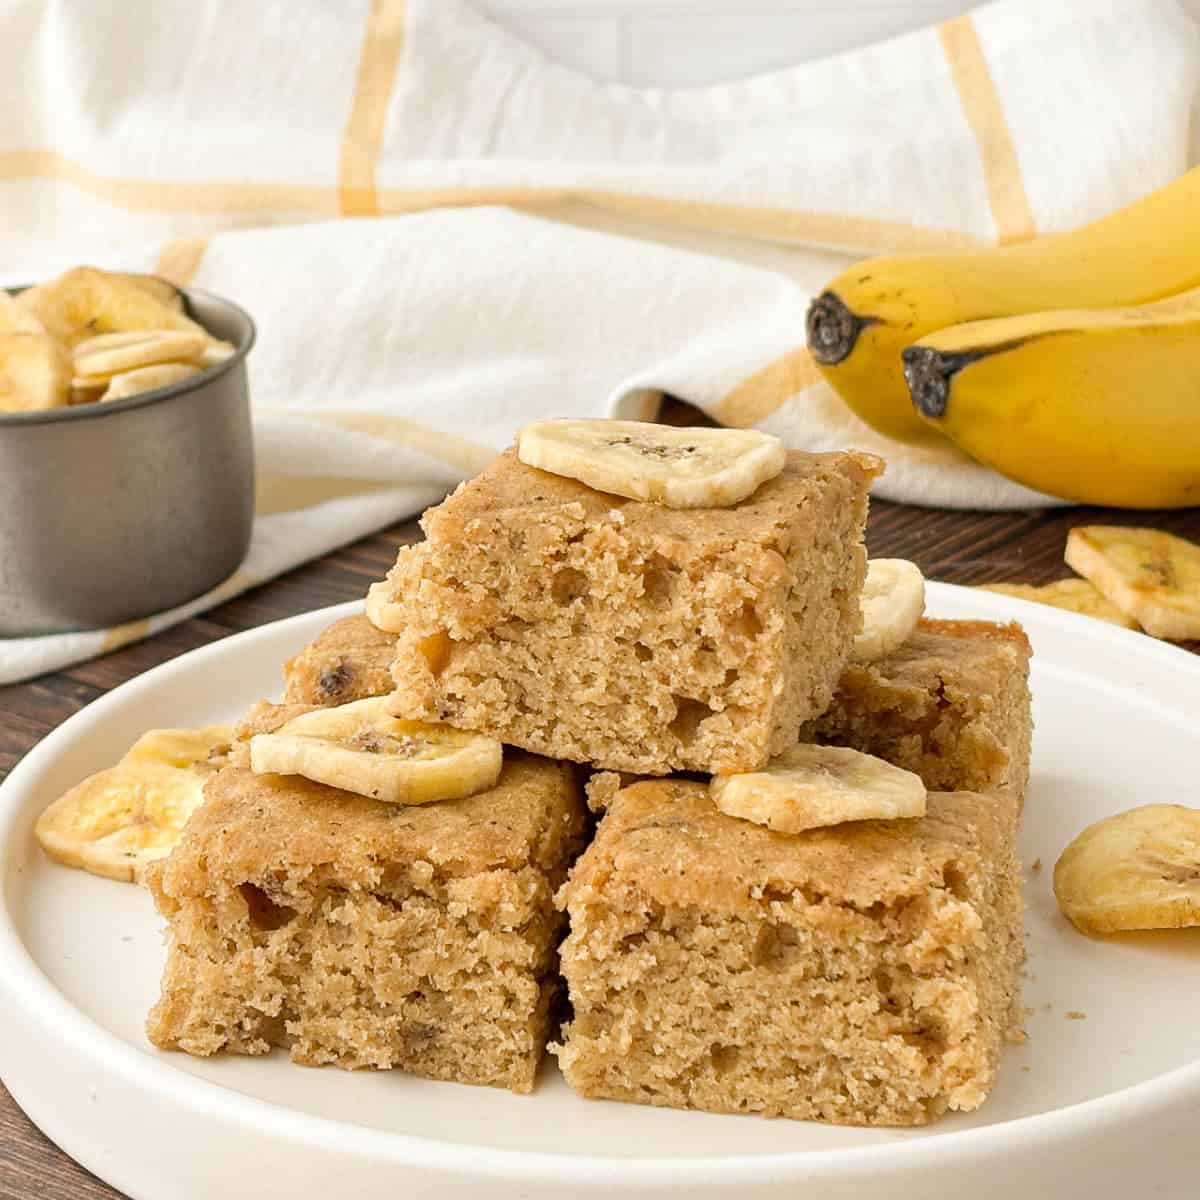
443	235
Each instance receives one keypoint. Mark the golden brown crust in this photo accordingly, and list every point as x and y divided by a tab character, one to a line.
669	836
251	824
509	490
351	660
968	656
987	631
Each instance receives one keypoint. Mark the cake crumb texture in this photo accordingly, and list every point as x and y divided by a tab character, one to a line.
630	636
951	704
865	974
365	934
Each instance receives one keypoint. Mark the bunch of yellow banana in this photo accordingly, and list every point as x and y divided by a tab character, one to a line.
1100	406
1070	363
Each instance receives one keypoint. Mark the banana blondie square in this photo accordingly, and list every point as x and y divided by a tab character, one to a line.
351	660
365	934
951	704
625	634
862	974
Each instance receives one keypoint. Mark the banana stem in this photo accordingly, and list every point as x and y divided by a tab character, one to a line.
833	329
928	374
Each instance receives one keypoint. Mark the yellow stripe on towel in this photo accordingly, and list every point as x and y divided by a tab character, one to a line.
468	457
301	200
985	114
358	195
363	135
756	398
180	260
123	635
794	226
143	627
276	492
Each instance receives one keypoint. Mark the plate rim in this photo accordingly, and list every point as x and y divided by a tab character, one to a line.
23	984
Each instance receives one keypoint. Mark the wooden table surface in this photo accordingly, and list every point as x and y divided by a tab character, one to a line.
957	547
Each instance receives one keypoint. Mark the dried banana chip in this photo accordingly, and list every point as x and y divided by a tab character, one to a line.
83	392
34	302
35	373
85	302
360	747
808	787
1152	575
146	379
163	290
381	610
205	749
120	819
1137	870
112	354
216	351
117	821
892	602
681	468
15	319
1074	595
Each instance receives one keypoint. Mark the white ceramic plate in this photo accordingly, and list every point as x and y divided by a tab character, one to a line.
1099	1106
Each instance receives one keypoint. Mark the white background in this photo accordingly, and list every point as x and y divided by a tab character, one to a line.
684	43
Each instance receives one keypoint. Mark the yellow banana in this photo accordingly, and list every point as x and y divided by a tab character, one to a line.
869	314
1096	405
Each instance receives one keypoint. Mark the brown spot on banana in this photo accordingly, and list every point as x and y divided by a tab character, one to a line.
833	329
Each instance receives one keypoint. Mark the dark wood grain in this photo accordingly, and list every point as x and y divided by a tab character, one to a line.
953	546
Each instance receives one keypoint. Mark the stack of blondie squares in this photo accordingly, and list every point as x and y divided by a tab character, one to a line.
593	899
